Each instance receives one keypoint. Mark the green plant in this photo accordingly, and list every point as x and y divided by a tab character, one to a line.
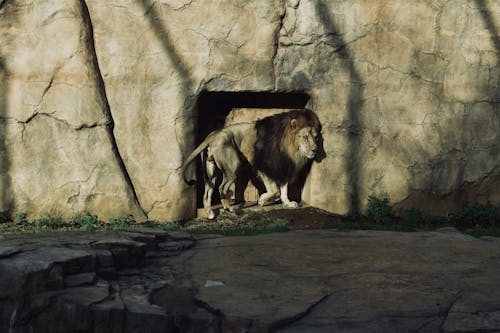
203	227
275	225
120	222
20	217
419	220
239	227
50	221
167	226
413	217
85	222
378	209
170	226
476	214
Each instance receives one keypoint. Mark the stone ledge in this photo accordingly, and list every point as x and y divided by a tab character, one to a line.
301	281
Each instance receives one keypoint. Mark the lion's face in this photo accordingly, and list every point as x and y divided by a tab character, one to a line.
307	140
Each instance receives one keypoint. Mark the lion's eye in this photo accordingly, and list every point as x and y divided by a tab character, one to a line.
306	137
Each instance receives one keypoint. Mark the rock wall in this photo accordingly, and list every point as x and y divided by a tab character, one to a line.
98	99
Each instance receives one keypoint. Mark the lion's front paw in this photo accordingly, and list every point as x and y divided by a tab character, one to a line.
291	204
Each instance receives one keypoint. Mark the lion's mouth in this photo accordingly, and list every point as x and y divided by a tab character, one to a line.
311	155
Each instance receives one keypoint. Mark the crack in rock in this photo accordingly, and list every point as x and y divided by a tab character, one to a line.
106	108
277	35
46	90
170	6
447	312
282	323
50	115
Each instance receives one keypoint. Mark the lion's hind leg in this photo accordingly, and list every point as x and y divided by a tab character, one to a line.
225	193
211	175
228	161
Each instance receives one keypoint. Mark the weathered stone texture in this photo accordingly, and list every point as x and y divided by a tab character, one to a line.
408	92
58	131
302	281
98	98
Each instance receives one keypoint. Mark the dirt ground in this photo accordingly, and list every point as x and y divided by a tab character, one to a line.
299	218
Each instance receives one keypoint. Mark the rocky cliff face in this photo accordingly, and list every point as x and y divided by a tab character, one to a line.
98	100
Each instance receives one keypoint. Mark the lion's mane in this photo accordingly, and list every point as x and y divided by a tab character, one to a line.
275	150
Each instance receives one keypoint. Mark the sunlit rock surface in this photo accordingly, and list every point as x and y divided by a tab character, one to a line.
98	99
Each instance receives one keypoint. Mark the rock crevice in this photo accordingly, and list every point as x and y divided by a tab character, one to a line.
105	103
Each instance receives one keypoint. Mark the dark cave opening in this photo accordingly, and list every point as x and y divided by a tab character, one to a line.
214	106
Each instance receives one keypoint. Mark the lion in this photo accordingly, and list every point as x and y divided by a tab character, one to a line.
277	148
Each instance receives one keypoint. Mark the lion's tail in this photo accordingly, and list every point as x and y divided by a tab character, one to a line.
195	153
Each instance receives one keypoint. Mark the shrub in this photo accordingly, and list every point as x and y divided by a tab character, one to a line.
377	209
482	214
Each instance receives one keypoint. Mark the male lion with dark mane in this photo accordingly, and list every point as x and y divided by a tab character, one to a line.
278	148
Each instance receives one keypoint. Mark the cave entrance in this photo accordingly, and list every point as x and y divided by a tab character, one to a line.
215	109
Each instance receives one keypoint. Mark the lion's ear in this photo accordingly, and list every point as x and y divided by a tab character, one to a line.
293	123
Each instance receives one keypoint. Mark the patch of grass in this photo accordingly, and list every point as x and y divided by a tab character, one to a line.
476	220
120	222
223	227
20	217
53	220
166	226
240	227
275	225
412	217
170	226
419	220
85	222
378	209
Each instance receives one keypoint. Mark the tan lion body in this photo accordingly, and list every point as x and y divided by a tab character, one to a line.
278	148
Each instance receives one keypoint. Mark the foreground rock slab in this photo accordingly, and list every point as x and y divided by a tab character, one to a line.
147	280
